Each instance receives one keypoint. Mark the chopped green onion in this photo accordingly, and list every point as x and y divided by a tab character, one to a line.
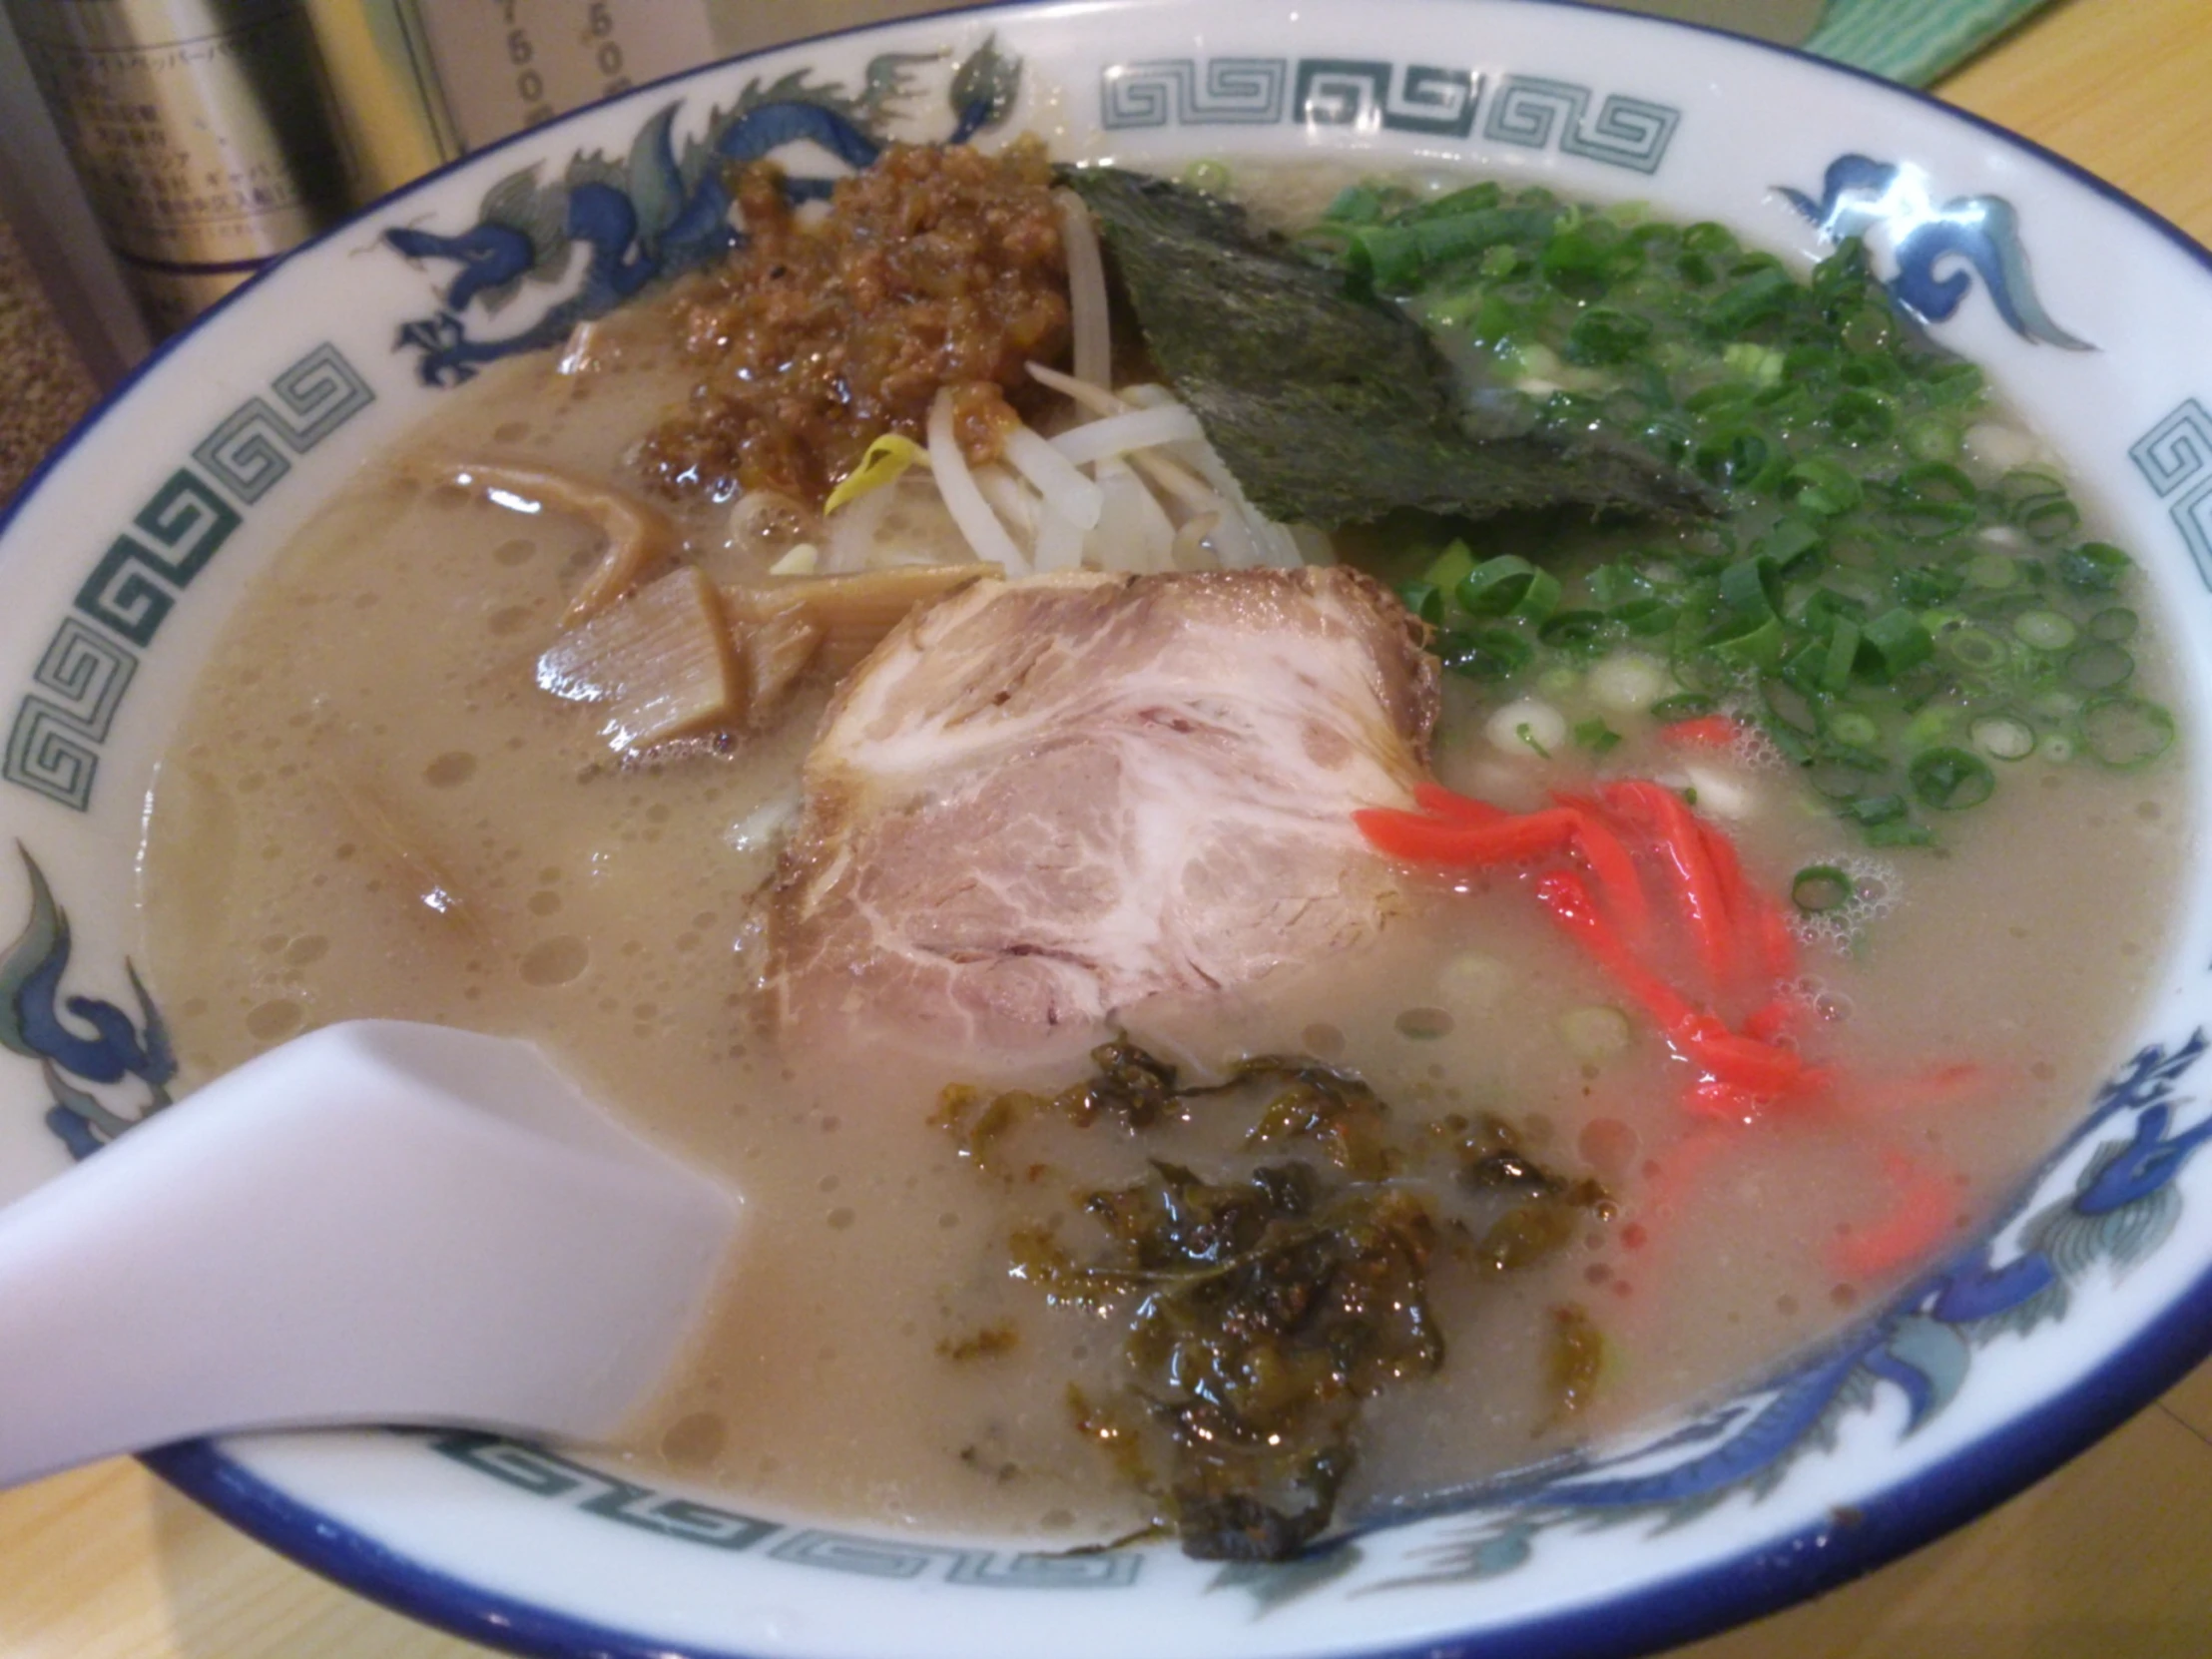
2050	519
1932	437
2100	666
1787	705
1824	603
1924	586
1948	384
1928	725
2114	625
1843	652
1862	417
1450	568
1932	501
1615	585
1583	262
1474	198
1762	294
1992	570
2092	567
1646	617
1760	365
1871	810
1595	735
1424	599
1839	779
1897	641
1895	612
1734	458
1720	394
1396	256
1496	586
2003	738
1604	334
1575	630
1950	780
2038	503
1485	653
2125	731
1750	598
1976	649
1818	888
1900	832
1793	539
1707	237
1819	485
1539	598
2045	630
1849	726
1796	749
1363	203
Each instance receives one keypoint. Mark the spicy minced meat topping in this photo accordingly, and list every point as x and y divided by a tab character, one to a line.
935	267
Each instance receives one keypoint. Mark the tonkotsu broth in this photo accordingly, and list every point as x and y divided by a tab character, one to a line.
370	809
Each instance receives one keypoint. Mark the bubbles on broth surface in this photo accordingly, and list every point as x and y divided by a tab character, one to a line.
1753	749
275	1020
1424	1024
455	766
1877	888
556	961
695	1440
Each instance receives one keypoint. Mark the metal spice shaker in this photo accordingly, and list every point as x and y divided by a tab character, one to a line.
199	130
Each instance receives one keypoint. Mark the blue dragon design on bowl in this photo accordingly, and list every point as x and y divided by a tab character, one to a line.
75	1060
660	211
1860	193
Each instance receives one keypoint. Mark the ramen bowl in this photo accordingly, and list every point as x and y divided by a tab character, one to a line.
2088	1294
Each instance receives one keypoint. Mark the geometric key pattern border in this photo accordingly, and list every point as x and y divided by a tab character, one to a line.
1367	95
77	689
2175	459
547	1474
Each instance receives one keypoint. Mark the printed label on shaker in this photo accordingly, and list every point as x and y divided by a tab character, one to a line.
197	127
509	64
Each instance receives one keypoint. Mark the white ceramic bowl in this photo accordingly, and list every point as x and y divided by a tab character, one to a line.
2090	1293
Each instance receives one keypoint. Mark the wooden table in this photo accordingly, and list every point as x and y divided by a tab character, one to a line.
2107	1559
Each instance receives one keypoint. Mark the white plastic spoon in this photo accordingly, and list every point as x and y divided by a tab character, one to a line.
380	1222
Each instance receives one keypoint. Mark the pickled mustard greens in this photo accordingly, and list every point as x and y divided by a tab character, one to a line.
1261	1309
1891	623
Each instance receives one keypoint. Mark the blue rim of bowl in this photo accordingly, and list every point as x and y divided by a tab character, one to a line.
1748	1585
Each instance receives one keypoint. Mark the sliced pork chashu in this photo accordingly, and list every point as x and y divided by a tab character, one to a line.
1038	804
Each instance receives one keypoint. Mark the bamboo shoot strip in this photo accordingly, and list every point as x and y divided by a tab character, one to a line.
639	535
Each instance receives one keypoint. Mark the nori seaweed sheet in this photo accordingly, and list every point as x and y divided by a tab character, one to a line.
1331	407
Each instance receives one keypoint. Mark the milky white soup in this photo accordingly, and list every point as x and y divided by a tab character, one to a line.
370	809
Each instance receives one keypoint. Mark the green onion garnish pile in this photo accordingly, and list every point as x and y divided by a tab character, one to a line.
1898	629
